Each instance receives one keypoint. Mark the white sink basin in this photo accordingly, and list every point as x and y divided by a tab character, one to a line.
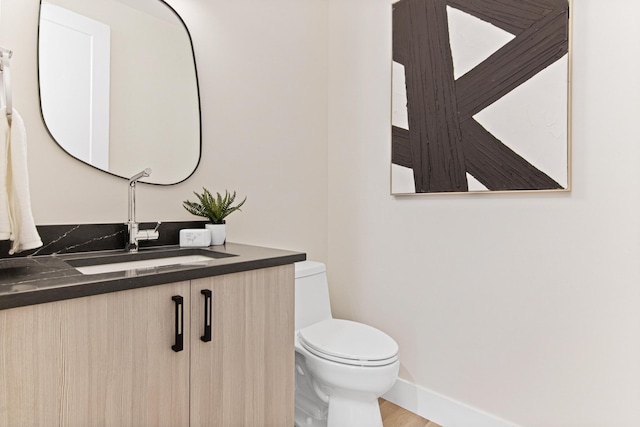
144	263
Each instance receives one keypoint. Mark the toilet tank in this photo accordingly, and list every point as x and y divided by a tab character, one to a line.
312	294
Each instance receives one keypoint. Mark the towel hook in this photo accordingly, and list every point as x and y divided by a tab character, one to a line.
5	55
4	51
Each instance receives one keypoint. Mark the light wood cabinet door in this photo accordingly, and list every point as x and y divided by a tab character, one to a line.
104	360
245	375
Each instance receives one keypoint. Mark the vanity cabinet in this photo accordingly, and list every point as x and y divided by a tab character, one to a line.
110	359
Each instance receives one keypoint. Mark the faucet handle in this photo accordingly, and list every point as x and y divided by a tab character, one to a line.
148	234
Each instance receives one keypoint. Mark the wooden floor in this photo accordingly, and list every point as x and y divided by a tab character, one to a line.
395	416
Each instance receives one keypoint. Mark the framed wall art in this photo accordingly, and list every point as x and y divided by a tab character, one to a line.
480	96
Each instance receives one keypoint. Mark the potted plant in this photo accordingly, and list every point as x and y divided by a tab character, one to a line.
215	209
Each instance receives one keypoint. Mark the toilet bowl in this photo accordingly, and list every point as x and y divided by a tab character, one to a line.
342	367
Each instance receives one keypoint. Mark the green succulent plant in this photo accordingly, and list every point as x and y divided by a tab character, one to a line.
216	209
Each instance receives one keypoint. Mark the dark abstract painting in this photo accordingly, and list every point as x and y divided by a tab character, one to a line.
480	96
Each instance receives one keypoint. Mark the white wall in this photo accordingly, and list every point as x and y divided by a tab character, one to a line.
262	68
524	306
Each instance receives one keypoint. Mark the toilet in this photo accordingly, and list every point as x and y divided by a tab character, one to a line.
342	367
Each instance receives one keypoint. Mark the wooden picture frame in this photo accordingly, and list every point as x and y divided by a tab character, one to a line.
480	96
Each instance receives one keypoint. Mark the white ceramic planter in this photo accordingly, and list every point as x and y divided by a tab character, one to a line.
218	233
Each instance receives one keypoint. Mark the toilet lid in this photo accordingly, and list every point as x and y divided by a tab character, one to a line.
349	342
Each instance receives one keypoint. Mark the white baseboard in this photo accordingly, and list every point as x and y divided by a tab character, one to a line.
440	409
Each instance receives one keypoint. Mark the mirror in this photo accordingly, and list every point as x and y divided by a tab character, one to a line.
119	87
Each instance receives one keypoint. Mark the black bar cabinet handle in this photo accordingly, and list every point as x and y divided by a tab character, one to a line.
179	345
207	315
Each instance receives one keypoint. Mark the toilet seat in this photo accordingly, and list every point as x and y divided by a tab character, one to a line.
350	343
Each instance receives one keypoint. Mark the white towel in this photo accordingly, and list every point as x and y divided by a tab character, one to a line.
5	216
16	218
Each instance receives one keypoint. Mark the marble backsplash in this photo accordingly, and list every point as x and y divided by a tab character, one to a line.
64	239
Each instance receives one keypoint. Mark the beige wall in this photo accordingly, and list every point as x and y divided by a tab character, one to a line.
523	306
262	70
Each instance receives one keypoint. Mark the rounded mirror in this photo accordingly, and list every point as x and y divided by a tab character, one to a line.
119	87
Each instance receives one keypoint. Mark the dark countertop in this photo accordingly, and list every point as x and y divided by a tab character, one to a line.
40	279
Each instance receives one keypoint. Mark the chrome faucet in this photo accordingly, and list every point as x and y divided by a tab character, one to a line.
135	234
